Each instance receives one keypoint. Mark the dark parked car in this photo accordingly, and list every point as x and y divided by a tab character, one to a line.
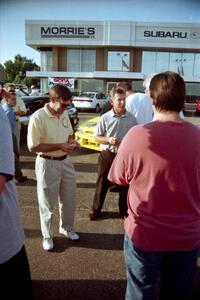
34	103
192	99
192	104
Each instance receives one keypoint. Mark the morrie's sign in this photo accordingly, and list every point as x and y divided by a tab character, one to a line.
67	32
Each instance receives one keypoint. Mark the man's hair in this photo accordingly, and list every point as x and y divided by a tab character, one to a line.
116	90
125	85
9	85
147	80
60	91
167	91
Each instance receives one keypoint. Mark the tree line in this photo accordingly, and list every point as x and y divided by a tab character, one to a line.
15	71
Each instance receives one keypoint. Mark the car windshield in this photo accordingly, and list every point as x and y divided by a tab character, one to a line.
88	95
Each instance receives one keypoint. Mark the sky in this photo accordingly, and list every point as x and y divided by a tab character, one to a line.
13	14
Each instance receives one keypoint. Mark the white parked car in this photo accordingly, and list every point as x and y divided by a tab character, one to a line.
90	101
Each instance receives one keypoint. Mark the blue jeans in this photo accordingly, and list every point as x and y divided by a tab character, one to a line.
176	270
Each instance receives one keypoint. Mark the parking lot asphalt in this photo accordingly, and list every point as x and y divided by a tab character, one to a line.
90	269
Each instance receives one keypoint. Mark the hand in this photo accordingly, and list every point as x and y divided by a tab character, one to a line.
68	148
113	141
28	112
74	142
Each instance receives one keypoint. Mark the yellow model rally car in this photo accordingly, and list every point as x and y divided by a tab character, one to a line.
85	134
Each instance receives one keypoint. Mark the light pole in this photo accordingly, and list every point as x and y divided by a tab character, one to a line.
180	68
123	62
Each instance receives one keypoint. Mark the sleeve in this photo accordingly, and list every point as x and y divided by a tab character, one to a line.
71	131
122	166
101	127
6	147
35	131
181	115
11	117
130	104
21	105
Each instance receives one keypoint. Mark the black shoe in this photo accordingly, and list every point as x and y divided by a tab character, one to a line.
93	215
21	179
123	215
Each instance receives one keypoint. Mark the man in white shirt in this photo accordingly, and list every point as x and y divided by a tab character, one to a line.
34	91
139	105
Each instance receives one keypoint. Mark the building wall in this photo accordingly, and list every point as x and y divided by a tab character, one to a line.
112	33
62	59
100	59
141	47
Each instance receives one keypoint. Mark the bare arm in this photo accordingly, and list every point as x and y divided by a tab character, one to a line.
66	147
106	140
20	113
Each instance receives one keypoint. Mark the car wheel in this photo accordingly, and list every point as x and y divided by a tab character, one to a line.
97	108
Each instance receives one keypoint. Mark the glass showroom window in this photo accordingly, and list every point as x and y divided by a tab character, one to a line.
162	62
197	65
186	64
118	61
182	63
46	61
148	62
81	60
88	60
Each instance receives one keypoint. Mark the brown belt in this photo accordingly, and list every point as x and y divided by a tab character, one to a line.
53	157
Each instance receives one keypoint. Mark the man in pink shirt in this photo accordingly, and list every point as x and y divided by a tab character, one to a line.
160	161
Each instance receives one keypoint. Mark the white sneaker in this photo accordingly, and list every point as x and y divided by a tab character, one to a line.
47	244
70	234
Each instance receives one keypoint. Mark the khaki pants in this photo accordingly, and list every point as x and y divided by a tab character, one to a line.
55	182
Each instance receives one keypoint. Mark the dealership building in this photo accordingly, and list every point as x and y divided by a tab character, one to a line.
94	55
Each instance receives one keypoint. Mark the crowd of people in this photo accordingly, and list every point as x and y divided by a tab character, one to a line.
145	156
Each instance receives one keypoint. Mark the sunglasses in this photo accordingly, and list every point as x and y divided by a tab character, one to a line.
62	104
65	105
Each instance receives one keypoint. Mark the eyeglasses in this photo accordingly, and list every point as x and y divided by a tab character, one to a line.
62	104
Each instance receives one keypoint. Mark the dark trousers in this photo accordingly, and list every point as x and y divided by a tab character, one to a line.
18	171
15	278
104	163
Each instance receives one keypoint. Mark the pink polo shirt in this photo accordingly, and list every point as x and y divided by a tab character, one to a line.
161	163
